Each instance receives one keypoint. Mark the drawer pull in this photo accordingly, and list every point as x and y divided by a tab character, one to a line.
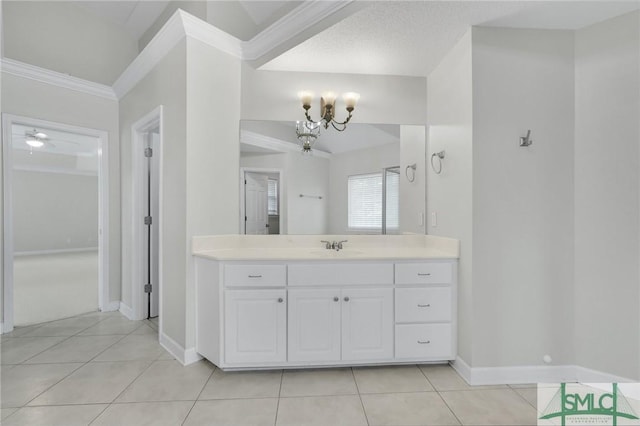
428	305
255	276
424	275
424	342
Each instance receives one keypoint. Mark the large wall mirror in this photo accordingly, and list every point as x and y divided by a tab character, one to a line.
352	182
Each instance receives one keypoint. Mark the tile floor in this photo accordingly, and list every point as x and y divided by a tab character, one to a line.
102	369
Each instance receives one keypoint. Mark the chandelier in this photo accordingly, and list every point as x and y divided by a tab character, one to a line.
307	132
328	109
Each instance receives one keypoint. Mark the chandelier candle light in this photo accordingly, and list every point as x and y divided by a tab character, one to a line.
328	108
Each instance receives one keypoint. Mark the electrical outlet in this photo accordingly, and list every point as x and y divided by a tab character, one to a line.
434	219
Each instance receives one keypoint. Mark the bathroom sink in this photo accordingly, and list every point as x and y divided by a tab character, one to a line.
346	252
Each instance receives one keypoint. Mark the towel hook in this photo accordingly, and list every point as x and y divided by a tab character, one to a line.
526	140
411	167
440	157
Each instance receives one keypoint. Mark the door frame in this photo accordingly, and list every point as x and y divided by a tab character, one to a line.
281	197
8	120
153	119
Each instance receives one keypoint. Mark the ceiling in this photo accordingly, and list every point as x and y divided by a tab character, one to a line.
379	37
411	37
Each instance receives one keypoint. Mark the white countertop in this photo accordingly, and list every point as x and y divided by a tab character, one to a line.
304	247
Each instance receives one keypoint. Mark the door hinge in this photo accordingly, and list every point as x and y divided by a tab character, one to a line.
147	220
245	181
147	288
266	225
245	218
148	152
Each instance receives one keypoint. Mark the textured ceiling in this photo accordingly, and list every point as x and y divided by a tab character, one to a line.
411	37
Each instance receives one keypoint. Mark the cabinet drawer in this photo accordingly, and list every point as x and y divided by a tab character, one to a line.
423	341
424	273
423	304
255	275
341	274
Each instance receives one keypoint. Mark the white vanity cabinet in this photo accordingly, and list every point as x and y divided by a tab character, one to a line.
288	313
354	324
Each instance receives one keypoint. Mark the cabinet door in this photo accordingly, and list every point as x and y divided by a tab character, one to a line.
367	324
314	325
255	326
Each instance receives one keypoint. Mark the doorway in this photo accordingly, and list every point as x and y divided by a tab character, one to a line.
55	221
147	274
261	206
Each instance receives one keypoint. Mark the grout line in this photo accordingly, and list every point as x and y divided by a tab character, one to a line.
360	396
56	383
275	421
450	409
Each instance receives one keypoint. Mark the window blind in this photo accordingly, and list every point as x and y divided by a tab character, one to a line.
272	196
365	201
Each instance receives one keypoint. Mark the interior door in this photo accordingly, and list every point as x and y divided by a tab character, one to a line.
256	207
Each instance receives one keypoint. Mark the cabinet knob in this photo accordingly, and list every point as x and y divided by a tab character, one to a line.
335	299
280	300
346	298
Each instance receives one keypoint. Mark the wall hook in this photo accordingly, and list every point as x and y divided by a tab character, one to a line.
411	167
439	156
526	141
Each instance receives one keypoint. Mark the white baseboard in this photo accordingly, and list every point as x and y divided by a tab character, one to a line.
532	374
111	307
126	311
184	356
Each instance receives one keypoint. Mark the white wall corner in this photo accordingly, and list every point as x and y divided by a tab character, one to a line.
126	311
184	356
111	307
462	368
54	78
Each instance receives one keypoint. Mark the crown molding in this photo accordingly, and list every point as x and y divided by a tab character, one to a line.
200	30
159	46
54	78
262	141
309	13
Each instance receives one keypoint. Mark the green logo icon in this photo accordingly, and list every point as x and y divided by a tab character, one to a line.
584	403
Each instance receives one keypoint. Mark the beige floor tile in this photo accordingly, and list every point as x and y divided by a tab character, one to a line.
93	383
168	381
242	384
64	327
133	347
424	408
6	412
490	407
318	382
113	325
234	412
20	331
20	349
165	355
405	378
145	414
24	382
529	394
321	410
64	415
145	329
74	349
445	378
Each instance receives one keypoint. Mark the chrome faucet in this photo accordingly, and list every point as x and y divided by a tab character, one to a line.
335	245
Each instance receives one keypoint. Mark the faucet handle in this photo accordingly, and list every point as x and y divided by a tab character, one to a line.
340	243
327	244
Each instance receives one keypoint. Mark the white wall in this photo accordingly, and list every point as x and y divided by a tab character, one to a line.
79	109
165	85
61	36
607	186
412	194
273	95
522	197
54	211
370	160
449	194
213	155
